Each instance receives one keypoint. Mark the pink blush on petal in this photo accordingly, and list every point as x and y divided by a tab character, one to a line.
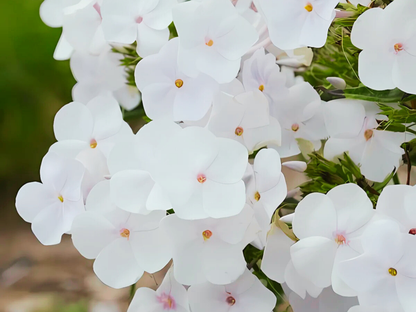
168	301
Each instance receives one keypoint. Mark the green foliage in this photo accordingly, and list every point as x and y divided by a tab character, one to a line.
81	306
385	96
253	258
325	175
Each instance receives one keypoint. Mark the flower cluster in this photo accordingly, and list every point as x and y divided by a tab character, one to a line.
201	183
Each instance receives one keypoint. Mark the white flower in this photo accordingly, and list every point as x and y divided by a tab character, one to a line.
300	116
295	24
385	273
208	249
123	244
278	266
212	38
169	93
260	72
82	28
144	21
388	40
266	188
245	118
327	301
102	75
52	205
202	174
246	294
353	129
398	202
374	308
170	296
328	227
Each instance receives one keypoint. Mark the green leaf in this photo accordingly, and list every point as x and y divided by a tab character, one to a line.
385	96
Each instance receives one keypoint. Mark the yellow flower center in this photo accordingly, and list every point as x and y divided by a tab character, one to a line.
392	271
309	7
61	198
398	47
257	196
206	235
368	134
93	143
125	233
340	239
179	83
209	43
261	88
295	127
239	131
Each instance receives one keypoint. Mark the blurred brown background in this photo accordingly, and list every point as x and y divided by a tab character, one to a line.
33	87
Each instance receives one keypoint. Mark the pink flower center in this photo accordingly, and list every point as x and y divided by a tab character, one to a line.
201	178
168	301
139	19
398	47
206	235
239	131
340	239
412	231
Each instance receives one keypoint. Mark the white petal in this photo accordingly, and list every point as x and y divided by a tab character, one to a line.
91	233
130	190
315	216
32	198
49	225
313	258
223	200
116	266
74	121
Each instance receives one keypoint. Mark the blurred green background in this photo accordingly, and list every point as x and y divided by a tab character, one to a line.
33	86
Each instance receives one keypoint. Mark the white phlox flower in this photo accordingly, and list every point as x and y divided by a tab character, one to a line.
202	174
327	301
143	21
52	205
244	118
300	23
300	117
329	227
278	266
384	275
82	28
208	249
169	93
101	75
398	202
388	40
52	13
170	296
260	72
212	38
244	295
88	133
265	188
353	129
123	244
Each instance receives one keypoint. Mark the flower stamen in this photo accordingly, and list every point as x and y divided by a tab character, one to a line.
309	7
201	178
230	300
93	143
239	131
392	271
261	88
368	134
209	43
295	127
257	196
206	235
61	198
179	83
398	47
125	233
